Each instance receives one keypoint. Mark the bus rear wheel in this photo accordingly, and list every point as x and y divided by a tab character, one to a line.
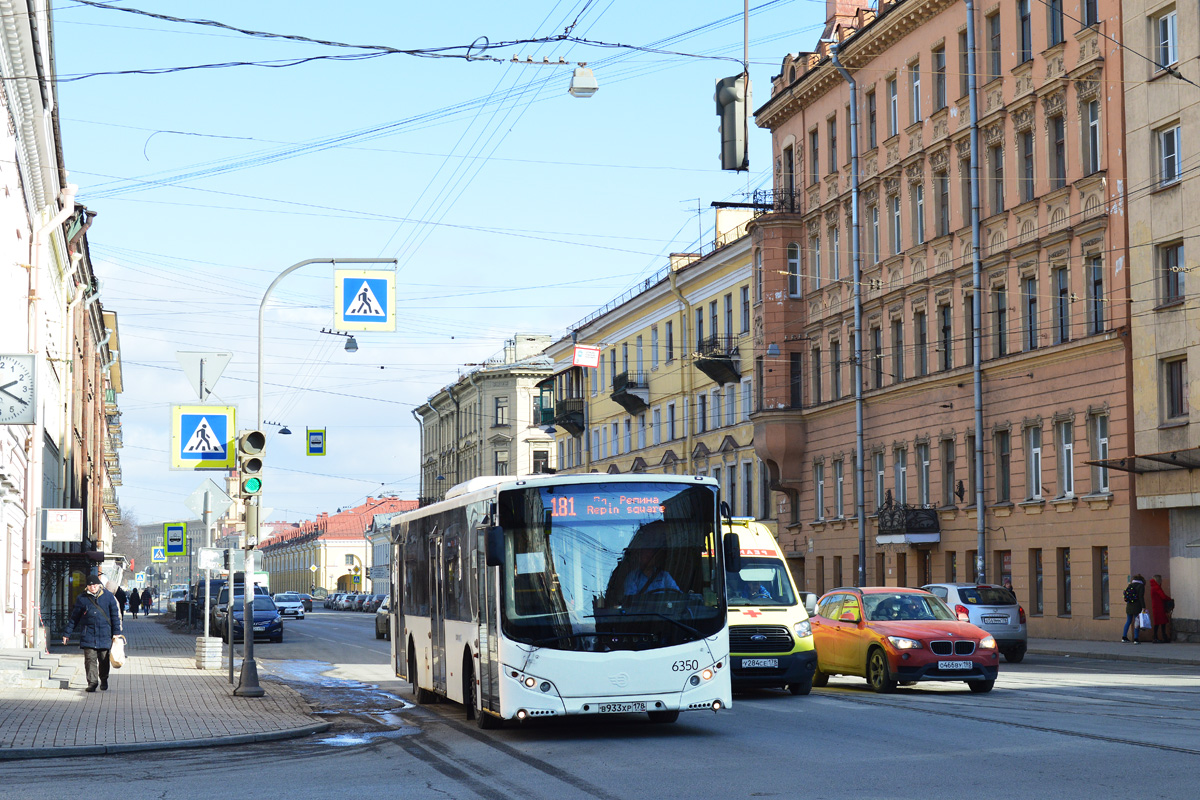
422	696
663	716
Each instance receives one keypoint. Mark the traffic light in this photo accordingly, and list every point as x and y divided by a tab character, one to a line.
249	456
733	102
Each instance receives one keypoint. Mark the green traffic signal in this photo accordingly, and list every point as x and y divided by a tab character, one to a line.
252	485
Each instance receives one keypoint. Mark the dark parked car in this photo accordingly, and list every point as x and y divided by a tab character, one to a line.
383	619
267	622
307	599
331	600
373	602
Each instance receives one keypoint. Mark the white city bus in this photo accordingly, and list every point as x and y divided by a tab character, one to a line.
551	595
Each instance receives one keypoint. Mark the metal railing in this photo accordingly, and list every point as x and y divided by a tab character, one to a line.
719	346
629	380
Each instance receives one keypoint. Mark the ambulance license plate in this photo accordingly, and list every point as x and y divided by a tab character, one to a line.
620	708
760	663
955	665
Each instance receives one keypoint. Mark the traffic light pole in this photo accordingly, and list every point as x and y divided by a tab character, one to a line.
248	686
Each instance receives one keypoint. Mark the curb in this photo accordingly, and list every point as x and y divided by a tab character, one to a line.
17	753
1145	659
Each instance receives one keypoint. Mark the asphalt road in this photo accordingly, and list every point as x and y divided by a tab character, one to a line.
1053	727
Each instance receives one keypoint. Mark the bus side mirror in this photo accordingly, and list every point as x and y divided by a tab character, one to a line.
495	546
733	553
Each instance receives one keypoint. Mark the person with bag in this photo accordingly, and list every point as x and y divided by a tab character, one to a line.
1135	604
1158	610
135	602
98	619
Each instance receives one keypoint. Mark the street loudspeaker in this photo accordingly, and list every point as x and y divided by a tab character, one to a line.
250	447
733	103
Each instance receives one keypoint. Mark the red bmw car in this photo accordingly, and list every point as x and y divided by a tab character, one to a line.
892	635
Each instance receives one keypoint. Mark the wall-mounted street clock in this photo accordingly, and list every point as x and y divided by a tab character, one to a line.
18	391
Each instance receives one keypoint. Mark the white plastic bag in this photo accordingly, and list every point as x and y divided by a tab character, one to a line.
1143	619
116	654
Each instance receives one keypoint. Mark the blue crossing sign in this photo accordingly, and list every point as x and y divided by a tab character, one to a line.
364	300
158	554
202	437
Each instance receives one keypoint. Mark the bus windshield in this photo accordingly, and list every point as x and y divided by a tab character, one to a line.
599	567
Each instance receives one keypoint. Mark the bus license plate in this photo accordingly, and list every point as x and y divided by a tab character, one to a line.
760	663
955	665
620	708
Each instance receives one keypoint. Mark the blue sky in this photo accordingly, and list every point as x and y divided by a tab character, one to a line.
510	205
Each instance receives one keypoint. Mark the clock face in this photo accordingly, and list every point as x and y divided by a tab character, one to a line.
17	396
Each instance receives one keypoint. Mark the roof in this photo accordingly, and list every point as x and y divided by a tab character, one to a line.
346	524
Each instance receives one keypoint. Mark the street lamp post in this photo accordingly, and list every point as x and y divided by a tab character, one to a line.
248	686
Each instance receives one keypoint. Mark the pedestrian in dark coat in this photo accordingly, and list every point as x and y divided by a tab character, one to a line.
1158	610
121	598
135	602
97	619
147	599
1135	602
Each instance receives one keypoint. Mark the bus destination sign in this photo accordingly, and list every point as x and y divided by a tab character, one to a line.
595	506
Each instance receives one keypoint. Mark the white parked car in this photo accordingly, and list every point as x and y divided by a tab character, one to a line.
290	604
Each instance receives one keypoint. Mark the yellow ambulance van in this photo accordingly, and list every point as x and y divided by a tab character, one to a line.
770	641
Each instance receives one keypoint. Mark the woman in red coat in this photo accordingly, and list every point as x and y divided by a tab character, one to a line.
1158	609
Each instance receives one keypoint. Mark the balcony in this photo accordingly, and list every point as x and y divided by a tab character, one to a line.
110	402
631	392
545	414
569	415
718	358
108	502
779	201
900	523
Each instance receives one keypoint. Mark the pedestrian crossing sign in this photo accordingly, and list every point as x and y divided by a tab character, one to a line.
364	300
158	554
202	437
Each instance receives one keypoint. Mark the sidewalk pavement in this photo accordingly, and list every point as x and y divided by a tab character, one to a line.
157	700
1178	653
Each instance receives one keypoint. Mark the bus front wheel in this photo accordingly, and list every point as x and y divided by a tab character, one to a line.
475	711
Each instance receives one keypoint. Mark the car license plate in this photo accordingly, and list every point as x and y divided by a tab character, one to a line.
955	665
260	627
620	708
1001	620
760	663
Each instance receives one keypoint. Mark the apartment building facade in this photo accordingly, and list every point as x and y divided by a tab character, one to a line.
673	390
1052	315
1162	105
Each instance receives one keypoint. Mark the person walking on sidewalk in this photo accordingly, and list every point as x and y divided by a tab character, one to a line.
1135	601
98	619
1158	610
135	602
121	598
147	599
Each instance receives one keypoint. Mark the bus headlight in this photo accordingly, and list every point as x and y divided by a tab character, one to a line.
530	682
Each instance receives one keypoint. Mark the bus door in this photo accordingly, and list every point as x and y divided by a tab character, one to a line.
488	673
437	613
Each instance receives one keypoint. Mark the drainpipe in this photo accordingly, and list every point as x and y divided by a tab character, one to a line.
479	414
421	443
587	433
457	436
688	378
32	555
976	300
68	397
856	239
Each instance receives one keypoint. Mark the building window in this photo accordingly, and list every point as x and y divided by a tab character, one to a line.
879	479
948	470
969	329
1100	602
728	310
1024	30
603	445
796	384
893	108
901	487
815	249
922	454
699	329
669	332
713	320
654	347
1027	184
1062	305
747	394
835	260
895	203
1003	457
1175	387
816	375
541	461
814	158
964	65
833	158
1100	453
921	346
839	484
1166	40
1058	152
501	462
748	487
1036	583
501	415
914	82
656	424
788	179
946	336
941	185
1092	137
919	213
758	276
877	357
939	79
872	122
628	435
1033	463
996	167
670	421
702	413
874	214
1064	581
1170	259
993	54
897	350
715	407
835	364
1091	12
972	467
819	490
1066	458
641	437
1168	155
731	475
1054	11
1029	286
745	291
1000	319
